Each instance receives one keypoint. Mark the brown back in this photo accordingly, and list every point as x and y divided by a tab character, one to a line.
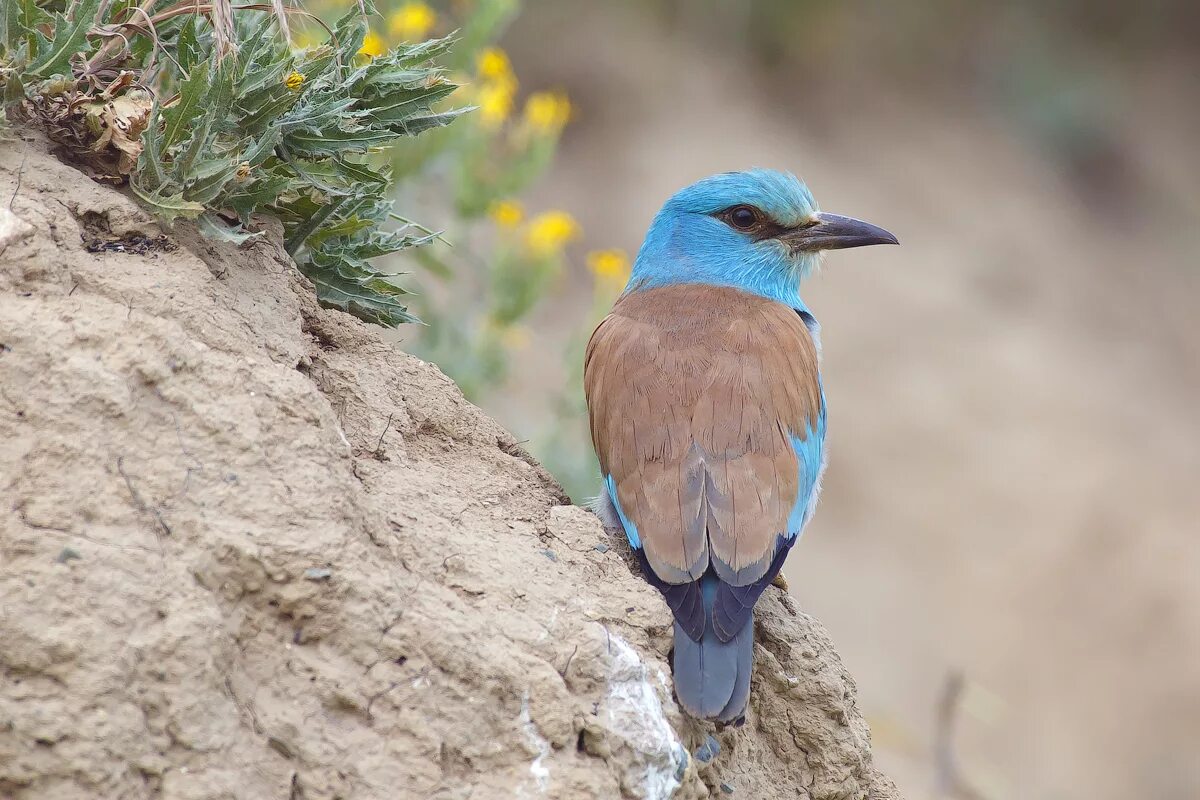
693	392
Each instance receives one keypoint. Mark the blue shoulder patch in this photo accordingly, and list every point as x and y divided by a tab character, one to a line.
810	453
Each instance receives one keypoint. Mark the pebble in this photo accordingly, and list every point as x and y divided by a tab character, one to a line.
67	554
706	752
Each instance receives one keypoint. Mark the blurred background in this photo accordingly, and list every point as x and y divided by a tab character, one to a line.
1007	552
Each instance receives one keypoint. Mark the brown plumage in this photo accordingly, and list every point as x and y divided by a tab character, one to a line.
693	392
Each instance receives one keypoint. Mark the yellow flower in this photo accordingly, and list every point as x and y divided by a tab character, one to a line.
550	231
373	45
506	213
294	81
495	101
547	112
493	64
411	22
497	86
610	268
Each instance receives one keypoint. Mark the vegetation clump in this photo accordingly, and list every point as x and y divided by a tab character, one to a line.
208	113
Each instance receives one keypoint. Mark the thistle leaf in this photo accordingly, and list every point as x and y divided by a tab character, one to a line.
216	228
333	142
258	194
189	52
167	207
10	28
414	125
150	171
70	37
180	117
208	180
368	296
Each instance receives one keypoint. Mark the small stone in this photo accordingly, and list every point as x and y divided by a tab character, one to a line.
67	554
706	752
726	788
600	548
550	554
318	573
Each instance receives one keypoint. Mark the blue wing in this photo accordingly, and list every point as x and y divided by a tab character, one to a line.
810	454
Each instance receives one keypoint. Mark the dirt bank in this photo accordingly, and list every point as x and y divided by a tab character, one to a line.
249	550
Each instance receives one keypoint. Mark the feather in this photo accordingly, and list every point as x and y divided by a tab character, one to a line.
693	392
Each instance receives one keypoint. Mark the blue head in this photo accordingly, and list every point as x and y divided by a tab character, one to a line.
760	231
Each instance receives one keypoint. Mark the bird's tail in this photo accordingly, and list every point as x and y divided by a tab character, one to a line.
712	677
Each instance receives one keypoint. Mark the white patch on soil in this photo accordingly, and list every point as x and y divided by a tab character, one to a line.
633	712
539	771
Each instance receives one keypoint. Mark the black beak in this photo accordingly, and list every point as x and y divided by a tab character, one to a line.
835	232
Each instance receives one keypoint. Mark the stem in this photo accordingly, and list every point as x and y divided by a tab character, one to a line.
437	235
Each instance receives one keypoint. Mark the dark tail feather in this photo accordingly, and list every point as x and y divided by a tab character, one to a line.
712	678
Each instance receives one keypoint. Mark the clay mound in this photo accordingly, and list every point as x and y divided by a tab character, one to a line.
249	550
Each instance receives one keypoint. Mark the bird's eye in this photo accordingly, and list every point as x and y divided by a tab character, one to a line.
743	217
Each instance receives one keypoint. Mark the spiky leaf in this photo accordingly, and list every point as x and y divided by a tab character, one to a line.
69	38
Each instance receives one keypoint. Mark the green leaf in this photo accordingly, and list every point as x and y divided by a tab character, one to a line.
424	51
414	125
188	50
297	236
208	179
150	164
257	38
22	18
180	117
10	27
347	227
265	76
370	296
254	195
364	174
167	207
267	108
316	114
314	64
216	102
328	143
217	229
411	105
69	38
349	32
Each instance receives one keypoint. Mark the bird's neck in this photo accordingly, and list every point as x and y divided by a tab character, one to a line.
771	280
767	272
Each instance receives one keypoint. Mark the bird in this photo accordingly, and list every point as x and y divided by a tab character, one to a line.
708	414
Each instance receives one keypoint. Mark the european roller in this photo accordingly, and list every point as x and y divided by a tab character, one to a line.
708	415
